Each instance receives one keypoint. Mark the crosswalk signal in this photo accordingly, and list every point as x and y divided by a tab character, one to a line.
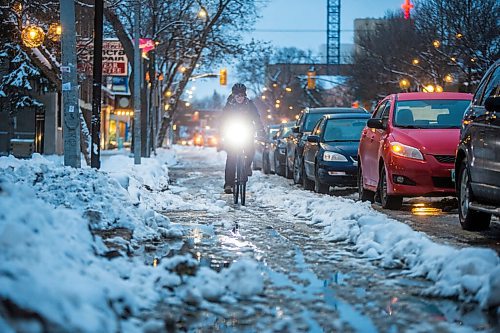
311	80
223	77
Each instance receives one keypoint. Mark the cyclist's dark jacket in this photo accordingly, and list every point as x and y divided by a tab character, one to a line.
246	110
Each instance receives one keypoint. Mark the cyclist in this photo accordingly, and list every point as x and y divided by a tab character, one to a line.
240	107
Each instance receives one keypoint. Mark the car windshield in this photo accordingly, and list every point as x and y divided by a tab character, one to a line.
430	113
344	129
311	120
273	131
285	132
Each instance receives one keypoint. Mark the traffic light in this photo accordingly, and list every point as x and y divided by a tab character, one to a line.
311	80
223	77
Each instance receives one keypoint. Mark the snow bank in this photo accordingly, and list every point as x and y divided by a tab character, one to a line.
471	274
51	260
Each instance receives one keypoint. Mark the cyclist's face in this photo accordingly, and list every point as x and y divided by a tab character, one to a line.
239	98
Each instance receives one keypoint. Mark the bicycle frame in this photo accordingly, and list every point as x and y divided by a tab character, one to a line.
241	178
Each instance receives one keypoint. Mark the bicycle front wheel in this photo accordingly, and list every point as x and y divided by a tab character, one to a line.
243	190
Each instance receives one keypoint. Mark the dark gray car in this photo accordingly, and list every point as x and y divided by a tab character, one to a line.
477	167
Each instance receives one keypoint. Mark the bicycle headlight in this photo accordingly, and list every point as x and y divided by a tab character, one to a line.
237	133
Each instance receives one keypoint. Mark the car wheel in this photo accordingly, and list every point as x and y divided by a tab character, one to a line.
266	166
288	170
319	187
364	194
306	182
297	170
469	219
392	202
278	169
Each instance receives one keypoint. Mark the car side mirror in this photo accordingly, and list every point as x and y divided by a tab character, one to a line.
492	104
295	129
376	123
313	138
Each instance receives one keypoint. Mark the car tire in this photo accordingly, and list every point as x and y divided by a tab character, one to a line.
266	166
278	169
297	170
364	194
319	187
306	182
470	219
392	202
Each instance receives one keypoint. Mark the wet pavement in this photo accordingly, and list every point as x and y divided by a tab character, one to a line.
312	285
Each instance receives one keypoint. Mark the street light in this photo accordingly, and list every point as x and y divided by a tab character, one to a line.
428	88
404	84
32	36
54	32
448	78
436	43
415	61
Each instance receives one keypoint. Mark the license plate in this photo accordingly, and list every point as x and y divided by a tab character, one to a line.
452	175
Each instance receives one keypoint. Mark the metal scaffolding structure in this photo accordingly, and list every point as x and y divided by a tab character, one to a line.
333	32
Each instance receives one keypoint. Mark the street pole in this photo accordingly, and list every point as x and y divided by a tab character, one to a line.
71	109
95	153
137	85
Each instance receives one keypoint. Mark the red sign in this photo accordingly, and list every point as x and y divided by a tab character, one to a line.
406	8
114	60
146	44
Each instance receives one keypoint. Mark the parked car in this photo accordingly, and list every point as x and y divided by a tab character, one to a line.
211	137
261	159
408	147
331	151
308	117
477	163
277	148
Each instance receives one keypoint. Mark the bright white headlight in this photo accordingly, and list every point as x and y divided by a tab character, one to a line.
237	133
335	157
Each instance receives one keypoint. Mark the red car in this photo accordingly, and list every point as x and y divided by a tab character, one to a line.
408	147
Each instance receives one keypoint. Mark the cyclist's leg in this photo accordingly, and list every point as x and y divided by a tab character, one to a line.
230	169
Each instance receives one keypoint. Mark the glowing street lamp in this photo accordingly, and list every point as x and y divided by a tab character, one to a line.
438	89
429	88
202	13
404	84
54	33
415	61
436	43
448	78
32	36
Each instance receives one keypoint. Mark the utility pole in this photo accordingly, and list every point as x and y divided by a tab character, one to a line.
137	85
71	109
95	151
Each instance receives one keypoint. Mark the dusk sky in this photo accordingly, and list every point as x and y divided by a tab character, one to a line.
302	24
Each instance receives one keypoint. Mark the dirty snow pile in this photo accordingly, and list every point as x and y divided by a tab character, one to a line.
54	273
472	274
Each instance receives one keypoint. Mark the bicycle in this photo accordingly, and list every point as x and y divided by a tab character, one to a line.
241	178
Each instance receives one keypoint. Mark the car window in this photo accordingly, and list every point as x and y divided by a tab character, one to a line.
379	109
385	112
344	129
285	132
317	128
492	86
430	113
310	120
477	99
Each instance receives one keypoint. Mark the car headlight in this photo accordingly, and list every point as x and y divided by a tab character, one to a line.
406	151
335	157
